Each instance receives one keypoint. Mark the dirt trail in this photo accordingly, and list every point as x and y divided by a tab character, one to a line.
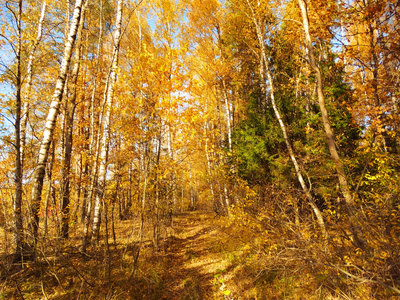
184	267
192	257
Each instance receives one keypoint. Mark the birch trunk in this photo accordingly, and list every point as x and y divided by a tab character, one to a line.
191	188
330	136
296	165
156	221
78	190
209	171
142	214
227	116
107	122
69	123
49	189
28	88
51	122
91	141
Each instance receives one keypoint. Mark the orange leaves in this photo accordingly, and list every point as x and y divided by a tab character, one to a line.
370	29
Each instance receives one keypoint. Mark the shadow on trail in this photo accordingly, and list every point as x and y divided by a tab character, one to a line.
183	269
189	273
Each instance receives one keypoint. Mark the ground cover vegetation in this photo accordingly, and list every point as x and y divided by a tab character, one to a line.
199	149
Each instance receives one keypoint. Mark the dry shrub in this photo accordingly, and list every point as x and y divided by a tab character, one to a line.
283	260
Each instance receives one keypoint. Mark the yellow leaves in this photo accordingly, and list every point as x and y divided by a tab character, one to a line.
383	255
359	251
372	177
309	130
247	246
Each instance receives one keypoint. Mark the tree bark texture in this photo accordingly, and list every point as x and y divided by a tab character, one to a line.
17	205
69	123
330	136
107	123
51	122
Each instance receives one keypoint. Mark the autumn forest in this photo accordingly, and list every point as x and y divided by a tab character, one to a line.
199	149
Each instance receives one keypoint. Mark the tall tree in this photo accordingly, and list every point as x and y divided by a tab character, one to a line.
330	135
268	81
19	229
109	102
29	79
69	123
51	122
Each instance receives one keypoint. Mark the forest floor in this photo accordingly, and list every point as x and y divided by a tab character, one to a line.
192	263
193	258
200	256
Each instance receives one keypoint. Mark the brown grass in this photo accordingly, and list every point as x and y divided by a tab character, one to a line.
183	268
199	257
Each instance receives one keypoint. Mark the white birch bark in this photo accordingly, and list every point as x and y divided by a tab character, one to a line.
49	189
29	77
106	124
89	168
51	121
209	172
69	120
227	116
269	81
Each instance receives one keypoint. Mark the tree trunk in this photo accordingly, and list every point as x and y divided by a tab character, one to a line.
107	123
28	88
156	220
209	170
90	170
51	122
85	194
49	189
330	136
69	123
17	205
265	61
227	115
78	191
142	214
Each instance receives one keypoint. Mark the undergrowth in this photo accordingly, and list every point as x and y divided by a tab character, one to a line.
252	254
272	257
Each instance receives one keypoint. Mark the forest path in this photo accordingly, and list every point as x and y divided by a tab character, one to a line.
191	253
193	257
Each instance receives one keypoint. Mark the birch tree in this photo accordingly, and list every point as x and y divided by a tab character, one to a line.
268	82
330	135
69	123
104	144
14	35
51	122
29	78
